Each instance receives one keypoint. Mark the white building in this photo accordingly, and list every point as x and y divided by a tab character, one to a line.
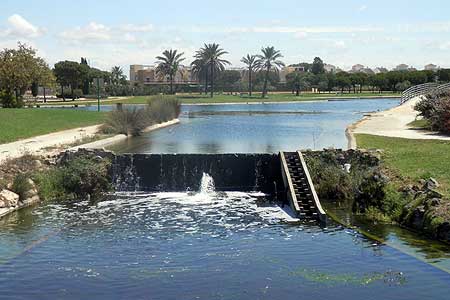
401	67
431	67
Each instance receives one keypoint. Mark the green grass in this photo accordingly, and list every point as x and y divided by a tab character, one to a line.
420	124
17	124
414	159
223	98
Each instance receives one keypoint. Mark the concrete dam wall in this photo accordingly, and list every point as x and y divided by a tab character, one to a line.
182	172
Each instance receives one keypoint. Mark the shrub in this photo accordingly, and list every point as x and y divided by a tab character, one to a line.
21	185
79	178
133	121
9	100
436	109
126	121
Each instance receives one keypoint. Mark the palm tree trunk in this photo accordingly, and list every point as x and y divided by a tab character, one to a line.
266	77
212	80
171	83
206	82
250	82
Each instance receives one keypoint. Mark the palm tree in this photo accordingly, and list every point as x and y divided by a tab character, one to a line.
168	65
200	69
268	62
116	75
252	63
211	56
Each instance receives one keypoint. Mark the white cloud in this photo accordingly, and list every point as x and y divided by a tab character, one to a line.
301	35
340	45
99	33
288	29
362	8
20	27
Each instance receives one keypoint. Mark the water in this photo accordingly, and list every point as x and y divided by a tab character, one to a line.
256	128
203	245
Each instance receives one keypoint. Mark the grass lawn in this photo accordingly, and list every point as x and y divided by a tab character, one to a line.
16	124
414	159
223	98
420	124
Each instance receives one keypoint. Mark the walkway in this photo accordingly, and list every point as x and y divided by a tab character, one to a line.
393	123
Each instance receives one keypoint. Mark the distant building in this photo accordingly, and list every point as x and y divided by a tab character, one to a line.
379	70
367	71
146	74
431	67
289	69
401	67
357	68
330	68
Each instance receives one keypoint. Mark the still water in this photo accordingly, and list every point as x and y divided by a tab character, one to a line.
204	245
256	128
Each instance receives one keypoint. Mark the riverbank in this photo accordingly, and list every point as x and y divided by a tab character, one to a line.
189	99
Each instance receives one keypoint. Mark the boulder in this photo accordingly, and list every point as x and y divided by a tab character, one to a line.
8	199
431	184
32	195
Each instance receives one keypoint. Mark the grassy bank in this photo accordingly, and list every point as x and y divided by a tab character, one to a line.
17	124
223	98
413	159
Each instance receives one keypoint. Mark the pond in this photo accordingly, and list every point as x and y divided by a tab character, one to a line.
256	128
204	245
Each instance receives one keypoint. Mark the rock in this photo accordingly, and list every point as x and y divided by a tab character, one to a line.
431	184
429	203
418	217
32	194
430	194
443	231
8	199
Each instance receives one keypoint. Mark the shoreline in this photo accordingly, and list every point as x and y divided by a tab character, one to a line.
393	122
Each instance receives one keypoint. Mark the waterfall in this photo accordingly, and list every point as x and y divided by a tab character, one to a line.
207	184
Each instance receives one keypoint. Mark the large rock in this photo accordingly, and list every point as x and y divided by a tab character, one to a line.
31	196
431	184
8	199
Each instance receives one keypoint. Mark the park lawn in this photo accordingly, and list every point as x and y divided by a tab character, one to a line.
17	124
413	159
420	124
224	98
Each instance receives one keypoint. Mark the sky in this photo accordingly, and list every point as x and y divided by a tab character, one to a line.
343	33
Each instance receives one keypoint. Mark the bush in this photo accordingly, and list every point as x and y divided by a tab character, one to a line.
79	178
9	100
133	121
436	110
21	185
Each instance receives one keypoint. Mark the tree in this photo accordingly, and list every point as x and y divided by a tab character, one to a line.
70	73
19	69
269	61
87	81
343	81
168	65
317	66
294	80
228	78
117	76
200	69
252	63
210	55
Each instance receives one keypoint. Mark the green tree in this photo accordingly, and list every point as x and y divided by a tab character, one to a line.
252	63
86	81
211	56
228	79
199	69
317	66
269	61
168	65
343	81
19	69
293	80
117	76
70	73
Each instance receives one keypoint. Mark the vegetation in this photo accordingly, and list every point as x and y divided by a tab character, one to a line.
253	63
168	65
435	109
269	61
413	159
80	178
19	124
20	69
133	121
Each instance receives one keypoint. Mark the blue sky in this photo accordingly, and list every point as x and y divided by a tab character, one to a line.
343	33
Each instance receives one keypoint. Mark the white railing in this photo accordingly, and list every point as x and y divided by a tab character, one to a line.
418	90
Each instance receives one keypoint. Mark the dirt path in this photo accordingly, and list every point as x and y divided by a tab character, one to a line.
45	144
392	123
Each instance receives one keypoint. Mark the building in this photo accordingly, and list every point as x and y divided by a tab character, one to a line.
401	67
146	74
379	70
289	69
357	68
330	68
431	67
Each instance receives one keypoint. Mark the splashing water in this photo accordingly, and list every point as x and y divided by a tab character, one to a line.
207	184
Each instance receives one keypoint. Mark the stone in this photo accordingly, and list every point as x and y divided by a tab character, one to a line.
418	217
8	199
443	231
32	194
431	184
433	202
